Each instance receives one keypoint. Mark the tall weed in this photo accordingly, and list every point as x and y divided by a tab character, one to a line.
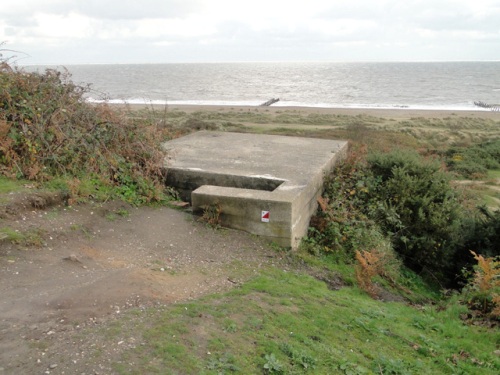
484	286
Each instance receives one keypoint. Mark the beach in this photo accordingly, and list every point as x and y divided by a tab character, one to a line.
396	114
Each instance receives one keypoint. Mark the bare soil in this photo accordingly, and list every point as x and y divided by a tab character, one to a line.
81	267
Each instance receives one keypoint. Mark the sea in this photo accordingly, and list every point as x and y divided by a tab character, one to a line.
389	85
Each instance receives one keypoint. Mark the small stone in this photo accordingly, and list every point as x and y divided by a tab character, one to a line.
497	353
180	204
72	258
53	366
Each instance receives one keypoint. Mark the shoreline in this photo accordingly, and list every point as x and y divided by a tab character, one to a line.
393	113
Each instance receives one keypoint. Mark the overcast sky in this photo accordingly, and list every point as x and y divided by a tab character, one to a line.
158	31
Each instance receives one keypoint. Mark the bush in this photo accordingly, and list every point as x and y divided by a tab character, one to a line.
47	129
470	169
398	197
480	233
474	162
413	202
340	227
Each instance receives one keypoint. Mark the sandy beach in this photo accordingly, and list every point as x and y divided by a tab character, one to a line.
397	113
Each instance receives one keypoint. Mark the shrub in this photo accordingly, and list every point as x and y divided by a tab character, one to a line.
480	232
473	162
468	169
47	129
413	202
341	227
397	196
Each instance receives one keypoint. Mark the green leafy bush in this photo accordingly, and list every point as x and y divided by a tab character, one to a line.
413	202
341	227
400	198
480	232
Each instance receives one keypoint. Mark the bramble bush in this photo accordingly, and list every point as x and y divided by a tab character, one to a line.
48	130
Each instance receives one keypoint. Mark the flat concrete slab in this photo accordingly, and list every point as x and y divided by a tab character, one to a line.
264	184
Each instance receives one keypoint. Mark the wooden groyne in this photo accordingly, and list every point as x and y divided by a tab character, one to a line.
270	102
493	107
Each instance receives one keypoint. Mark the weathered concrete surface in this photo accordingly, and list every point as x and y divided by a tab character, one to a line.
246	174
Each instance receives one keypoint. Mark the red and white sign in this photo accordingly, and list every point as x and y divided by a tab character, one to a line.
265	216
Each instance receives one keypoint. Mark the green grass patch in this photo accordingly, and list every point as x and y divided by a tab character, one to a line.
8	185
491	201
121	212
10	234
32	237
291	323
494	174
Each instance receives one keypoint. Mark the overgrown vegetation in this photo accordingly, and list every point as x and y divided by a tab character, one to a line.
48	131
474	161
407	200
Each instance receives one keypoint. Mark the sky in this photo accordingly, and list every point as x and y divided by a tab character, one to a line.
169	31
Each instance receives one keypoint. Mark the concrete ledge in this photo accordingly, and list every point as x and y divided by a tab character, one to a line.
188	180
264	184
242	209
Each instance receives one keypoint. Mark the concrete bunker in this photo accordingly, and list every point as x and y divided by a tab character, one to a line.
267	185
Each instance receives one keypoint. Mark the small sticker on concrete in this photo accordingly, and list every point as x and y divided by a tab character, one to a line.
265	216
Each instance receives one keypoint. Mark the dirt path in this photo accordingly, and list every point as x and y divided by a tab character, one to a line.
94	264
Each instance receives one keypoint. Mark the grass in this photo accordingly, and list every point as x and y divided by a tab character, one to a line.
121	212
494	174
8	185
487	193
10	234
491	200
434	132
291	323
32	237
